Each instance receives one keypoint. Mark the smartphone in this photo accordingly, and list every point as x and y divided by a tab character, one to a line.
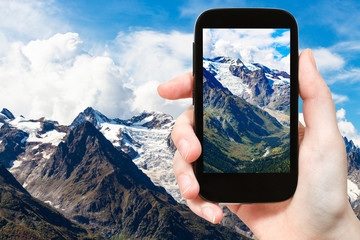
246	104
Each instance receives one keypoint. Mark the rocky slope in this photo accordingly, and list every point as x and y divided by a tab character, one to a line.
146	138
266	88
24	217
92	182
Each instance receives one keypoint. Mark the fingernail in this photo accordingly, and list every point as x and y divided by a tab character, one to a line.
312	58
184	148
185	183
208	214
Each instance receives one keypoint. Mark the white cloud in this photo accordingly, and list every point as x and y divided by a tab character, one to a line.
328	61
337	98
346	128
150	58
340	114
57	79
25	20
250	45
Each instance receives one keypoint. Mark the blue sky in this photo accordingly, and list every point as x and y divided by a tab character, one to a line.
123	35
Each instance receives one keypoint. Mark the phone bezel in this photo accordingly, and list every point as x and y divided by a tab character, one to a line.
246	187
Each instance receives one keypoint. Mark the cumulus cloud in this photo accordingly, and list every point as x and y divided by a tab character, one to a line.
340	114
346	128
150	58
327	60
250	45
57	79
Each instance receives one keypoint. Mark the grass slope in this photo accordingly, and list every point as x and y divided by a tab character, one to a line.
240	137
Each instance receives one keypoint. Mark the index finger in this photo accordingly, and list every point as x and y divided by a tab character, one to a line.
178	87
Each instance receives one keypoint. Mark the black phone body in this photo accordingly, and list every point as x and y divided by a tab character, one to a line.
246	105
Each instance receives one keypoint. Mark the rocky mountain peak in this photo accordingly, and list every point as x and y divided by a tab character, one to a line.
86	146
350	146
152	120
7	113
254	82
91	115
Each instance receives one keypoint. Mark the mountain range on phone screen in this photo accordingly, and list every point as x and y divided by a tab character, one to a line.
246	117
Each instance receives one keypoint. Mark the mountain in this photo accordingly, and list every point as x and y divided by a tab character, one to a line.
259	85
6	114
12	144
154	146
91	115
146	139
100	187
353	166
246	137
151	120
24	217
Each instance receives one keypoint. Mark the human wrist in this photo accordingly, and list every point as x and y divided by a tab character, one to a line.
347	227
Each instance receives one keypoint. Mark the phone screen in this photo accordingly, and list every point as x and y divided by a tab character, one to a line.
246	100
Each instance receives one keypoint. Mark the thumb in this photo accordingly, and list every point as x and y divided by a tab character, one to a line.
318	106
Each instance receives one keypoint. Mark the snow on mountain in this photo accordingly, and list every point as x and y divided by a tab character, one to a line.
145	138
257	84
35	131
279	80
220	68
27	144
352	190
221	65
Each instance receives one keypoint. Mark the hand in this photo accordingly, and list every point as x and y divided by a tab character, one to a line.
319	208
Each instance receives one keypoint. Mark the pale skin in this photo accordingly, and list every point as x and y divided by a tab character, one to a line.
319	208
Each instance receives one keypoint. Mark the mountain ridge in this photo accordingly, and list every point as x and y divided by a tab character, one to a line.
237	132
41	152
259	85
118	194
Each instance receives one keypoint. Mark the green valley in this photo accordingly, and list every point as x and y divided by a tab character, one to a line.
239	136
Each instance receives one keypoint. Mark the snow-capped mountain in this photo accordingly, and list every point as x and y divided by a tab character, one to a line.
28	144
259	85
31	143
353	164
144	137
78	170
